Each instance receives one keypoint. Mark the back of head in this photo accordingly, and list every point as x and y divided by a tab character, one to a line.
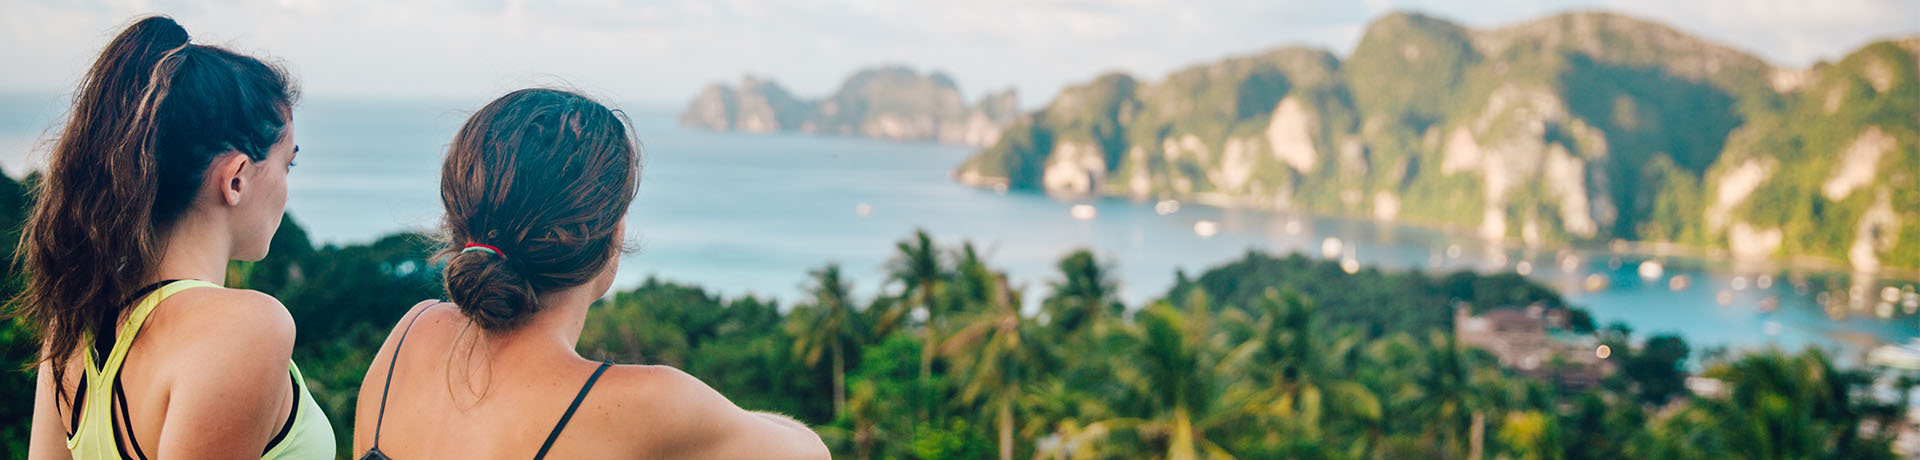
148	119
545	177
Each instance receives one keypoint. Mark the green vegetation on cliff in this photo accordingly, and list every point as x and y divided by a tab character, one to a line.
1584	126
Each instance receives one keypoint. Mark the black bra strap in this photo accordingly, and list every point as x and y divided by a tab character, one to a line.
382	417
120	392
103	338
292	414
79	402
103	349
569	415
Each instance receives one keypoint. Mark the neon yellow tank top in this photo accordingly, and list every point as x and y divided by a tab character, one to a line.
309	437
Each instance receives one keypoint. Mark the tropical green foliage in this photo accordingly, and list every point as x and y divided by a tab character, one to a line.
1263	357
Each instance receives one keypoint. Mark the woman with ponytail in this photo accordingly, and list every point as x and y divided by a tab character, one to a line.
172	163
536	186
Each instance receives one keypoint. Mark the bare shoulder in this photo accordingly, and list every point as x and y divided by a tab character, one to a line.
401	328
689	419
250	321
371	390
421	312
664	382
665	390
681	405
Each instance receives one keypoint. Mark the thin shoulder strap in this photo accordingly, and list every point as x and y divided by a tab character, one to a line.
102	337
137	318
569	415
388	386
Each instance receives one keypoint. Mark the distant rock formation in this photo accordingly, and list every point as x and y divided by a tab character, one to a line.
894	103
1586	126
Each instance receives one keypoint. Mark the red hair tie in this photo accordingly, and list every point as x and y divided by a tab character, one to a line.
483	248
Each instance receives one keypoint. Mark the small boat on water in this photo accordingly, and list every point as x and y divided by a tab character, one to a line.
1905	357
1569	262
1651	270
1206	228
1083	212
1165	207
1597	282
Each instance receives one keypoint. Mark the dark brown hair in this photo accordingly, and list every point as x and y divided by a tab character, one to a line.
147	120
545	176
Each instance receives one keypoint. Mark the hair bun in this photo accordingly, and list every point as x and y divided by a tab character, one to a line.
489	290
546	175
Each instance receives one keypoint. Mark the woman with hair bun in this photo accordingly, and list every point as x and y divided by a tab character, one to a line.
536	186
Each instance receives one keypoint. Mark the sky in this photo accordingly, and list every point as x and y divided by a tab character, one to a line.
661	52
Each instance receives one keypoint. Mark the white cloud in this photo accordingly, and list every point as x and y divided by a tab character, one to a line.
663	51
1788	32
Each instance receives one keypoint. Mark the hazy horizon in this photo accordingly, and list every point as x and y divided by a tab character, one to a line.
661	54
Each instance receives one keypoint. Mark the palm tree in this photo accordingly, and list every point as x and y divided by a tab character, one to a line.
917	267
974	285
866	409
1085	293
1288	373
826	326
881	318
1458	393
1179	371
1055	416
1283	339
1780	405
999	352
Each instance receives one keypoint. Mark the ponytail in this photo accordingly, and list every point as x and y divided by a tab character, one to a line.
148	118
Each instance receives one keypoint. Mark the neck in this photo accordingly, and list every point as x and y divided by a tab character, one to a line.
194	249
556	328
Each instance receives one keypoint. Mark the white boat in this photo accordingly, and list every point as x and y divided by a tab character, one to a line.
1165	207
1206	228
1905	357
1651	270
1083	212
1330	247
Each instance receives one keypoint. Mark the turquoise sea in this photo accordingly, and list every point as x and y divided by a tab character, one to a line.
750	214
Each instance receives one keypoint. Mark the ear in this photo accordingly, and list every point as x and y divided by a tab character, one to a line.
620	240
229	179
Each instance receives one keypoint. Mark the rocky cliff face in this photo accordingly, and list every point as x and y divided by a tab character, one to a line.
1582	126
885	103
1832	168
756	106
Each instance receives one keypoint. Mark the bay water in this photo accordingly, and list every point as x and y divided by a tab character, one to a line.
751	214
